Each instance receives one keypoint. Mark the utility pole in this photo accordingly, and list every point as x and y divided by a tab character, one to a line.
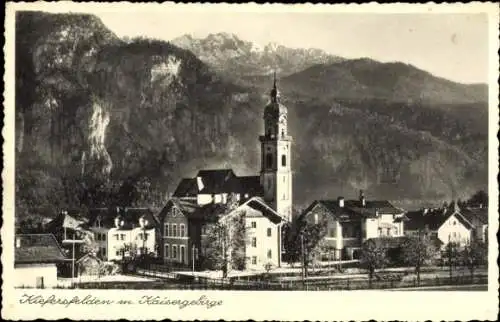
193	249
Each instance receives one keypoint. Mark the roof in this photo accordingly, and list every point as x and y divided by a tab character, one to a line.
186	188
88	255
208	212
354	209
479	215
260	205
388	242
130	216
432	220
216	181
185	207
37	248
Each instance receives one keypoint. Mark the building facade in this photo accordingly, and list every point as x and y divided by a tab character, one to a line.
346	224
124	232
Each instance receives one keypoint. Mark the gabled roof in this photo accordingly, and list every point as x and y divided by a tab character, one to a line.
37	248
209	212
479	215
432	220
354	209
217	181
185	207
186	188
259	204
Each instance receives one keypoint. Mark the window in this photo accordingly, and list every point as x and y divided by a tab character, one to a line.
269	160
174	230
388	231
269	254
103	237
182	253
117	237
316	219
454	223
332	232
98	236
269	232
254	224
454	234
283	160
254	260
103	251
166	230
145	236
167	251
182	232
170	231
204	230
122	236
118	253
174	251
254	242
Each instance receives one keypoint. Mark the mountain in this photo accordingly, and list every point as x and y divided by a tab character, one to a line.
394	82
101	121
236	58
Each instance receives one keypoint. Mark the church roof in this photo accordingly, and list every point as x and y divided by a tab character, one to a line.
216	181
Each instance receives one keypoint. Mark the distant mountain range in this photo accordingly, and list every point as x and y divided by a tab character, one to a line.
100	120
234	57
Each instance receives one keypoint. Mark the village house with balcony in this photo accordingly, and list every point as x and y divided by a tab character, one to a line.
348	223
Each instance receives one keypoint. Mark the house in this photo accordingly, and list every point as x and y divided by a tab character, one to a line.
348	223
70	227
35	260
121	232
185	226
206	198
450	224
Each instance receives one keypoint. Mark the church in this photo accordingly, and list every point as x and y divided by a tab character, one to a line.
264	201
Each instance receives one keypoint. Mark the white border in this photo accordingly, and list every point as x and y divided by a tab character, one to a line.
350	305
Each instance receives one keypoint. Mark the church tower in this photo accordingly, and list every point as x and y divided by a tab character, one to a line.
276	170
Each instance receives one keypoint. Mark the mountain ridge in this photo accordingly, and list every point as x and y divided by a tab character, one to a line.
101	121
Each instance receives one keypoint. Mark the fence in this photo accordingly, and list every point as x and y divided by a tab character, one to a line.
167	280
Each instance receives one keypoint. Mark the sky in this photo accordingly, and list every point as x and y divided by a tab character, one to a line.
453	46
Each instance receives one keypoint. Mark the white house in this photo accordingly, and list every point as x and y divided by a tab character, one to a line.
36	256
263	228
447	224
121	232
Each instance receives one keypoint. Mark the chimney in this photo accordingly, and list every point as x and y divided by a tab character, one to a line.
341	202
362	199
199	181
18	242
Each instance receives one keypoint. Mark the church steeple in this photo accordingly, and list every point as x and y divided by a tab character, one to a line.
274	91
276	171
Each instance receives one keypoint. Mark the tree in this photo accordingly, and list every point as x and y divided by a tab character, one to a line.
417	252
474	255
223	248
373	256
480	198
451	254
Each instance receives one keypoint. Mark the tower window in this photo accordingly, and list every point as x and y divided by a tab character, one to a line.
269	160
283	160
